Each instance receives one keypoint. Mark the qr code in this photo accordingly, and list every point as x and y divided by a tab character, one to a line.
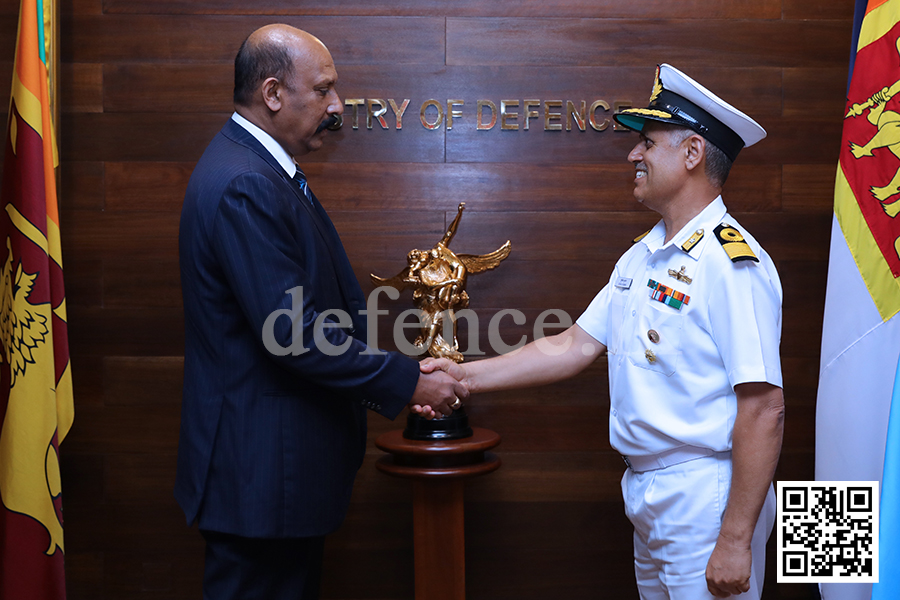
827	531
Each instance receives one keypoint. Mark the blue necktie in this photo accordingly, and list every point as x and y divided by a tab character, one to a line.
300	178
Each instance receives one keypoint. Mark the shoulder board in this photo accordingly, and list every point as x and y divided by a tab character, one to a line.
640	237
733	243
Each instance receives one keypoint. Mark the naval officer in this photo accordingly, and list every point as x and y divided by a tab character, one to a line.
691	322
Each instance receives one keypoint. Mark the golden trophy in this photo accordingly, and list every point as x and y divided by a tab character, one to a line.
438	280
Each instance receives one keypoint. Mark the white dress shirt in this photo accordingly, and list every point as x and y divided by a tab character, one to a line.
275	149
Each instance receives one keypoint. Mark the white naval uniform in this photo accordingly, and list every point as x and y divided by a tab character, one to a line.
680	394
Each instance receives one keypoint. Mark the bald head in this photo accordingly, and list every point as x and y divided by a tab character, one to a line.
271	51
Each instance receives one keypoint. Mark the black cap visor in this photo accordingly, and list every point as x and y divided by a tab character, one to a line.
672	108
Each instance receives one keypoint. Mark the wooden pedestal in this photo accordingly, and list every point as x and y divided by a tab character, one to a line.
438	470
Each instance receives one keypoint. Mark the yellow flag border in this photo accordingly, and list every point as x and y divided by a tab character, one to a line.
876	273
877	23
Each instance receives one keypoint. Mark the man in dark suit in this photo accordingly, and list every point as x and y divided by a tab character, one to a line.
273	424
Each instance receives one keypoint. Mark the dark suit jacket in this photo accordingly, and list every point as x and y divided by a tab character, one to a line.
270	444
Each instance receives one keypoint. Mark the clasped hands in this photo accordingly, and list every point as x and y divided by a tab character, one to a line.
441	383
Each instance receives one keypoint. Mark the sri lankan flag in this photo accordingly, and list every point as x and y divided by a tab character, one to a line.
861	333
36	408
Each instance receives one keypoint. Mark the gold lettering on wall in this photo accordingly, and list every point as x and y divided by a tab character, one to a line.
577	115
452	112
433	112
506	116
398	112
527	113
480	125
440	114
592	114
378	113
355	102
550	116
618	106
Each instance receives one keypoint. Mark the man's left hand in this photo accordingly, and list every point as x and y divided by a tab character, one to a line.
728	570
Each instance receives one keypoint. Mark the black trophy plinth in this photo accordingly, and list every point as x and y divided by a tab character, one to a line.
454	427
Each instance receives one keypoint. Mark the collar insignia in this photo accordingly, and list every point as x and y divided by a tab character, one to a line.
692	241
640	237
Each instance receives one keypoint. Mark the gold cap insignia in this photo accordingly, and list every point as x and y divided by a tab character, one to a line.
657	87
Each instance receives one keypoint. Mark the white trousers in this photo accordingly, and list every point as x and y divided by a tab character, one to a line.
677	514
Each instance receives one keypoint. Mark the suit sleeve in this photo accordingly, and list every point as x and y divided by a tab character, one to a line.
260	245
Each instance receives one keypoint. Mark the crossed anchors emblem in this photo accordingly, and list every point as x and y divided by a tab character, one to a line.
887	136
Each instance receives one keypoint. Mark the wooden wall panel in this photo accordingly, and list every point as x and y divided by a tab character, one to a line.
684	9
82	186
151	38
81	89
147	84
375	187
705	42
817	9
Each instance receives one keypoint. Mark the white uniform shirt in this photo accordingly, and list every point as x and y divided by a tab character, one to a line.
728	333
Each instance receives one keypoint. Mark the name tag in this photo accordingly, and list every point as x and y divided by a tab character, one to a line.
623	283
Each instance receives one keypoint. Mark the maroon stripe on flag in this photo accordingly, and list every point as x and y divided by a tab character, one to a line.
27	572
60	346
23	184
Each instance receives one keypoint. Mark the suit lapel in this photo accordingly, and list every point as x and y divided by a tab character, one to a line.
340	264
238	134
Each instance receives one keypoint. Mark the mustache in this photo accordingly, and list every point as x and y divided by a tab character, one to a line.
332	123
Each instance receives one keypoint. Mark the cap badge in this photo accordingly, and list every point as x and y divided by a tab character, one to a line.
657	87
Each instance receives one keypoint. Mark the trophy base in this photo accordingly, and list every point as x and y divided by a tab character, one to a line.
454	427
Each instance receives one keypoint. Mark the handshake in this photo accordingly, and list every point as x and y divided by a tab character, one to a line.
441	388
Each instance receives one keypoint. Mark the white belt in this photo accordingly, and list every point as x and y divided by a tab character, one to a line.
667	458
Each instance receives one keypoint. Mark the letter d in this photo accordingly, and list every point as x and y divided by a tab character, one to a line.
295	314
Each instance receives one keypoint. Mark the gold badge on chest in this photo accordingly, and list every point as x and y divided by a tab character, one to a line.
680	275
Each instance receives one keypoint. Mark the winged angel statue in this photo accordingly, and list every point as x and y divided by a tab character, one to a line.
438	280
